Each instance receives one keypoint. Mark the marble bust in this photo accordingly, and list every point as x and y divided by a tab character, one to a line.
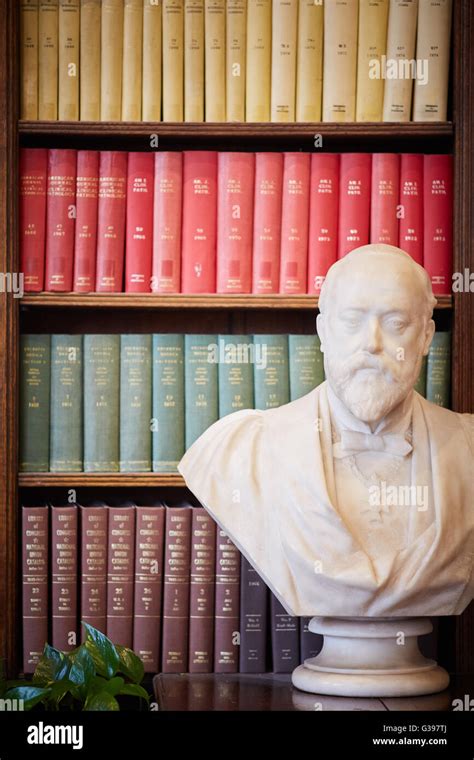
355	500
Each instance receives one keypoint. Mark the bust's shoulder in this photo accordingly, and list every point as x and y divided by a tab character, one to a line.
441	418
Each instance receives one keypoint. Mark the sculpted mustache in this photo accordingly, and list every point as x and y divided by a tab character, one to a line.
369	362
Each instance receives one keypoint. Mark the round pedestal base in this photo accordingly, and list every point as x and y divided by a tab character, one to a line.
370	657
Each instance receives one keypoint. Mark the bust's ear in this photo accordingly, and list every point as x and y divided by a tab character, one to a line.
429	332
320	327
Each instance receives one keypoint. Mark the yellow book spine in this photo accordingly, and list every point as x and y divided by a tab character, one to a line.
151	95
173	60
29	59
236	33
430	101
215	51
259	56
340	59
309	67
194	60
132	60
401	36
111	49
284	39
89	80
48	60
373	18
69	25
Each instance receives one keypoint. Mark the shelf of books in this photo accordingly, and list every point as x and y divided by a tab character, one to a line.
178	204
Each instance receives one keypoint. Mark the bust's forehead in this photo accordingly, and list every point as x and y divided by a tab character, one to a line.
371	281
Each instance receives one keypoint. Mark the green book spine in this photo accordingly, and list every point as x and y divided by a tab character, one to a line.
168	401
35	359
306	364
66	404
135	403
271	375
101	403
439	369
420	385
200	385
236	360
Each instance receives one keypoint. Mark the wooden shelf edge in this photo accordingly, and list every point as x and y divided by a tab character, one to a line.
98	479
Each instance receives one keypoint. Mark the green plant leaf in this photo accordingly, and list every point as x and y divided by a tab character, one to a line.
31	695
101	702
102	651
130	664
82	669
134	690
59	690
52	666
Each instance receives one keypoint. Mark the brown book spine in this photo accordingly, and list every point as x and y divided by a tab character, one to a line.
202	592
64	576
121	541
176	589
227	620
148	585
94	567
35	584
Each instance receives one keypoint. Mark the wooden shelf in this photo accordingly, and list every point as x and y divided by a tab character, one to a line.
430	137
153	301
98	479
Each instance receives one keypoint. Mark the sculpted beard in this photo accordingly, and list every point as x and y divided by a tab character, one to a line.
371	386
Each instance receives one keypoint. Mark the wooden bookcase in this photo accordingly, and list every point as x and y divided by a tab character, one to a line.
240	314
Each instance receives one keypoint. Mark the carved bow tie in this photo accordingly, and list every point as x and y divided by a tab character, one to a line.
353	442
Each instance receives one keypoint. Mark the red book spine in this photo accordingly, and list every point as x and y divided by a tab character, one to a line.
199	232
33	174
35	584
94	567
323	217
111	222
294	223
176	589
64	562
411	202
203	569
385	194
236	176
167	219
267	222
354	201
438	224
227	622
87	192
60	218
148	585
120	565
139	234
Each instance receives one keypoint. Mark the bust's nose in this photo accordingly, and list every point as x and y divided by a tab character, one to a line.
372	341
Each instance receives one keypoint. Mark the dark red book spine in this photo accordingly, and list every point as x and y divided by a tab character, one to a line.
149	543
111	221
285	638
94	567
438	224
385	195
411	205
202	592
64	562
60	219
120	572
295	223
85	245
236	176
35	545
176	589
139	234
227	622
323	217
167	219
253	620
354	201
33	174
199	235
267	222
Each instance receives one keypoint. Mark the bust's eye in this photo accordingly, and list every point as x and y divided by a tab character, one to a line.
397	324
351	321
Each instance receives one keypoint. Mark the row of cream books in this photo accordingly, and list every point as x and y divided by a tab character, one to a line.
235	60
